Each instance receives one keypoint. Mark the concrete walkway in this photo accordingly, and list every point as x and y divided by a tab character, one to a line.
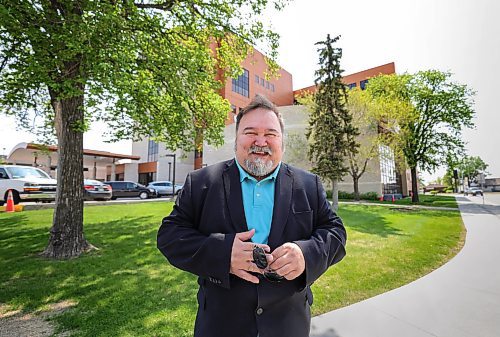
460	299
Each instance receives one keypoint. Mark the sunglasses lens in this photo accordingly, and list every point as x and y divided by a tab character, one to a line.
259	257
272	276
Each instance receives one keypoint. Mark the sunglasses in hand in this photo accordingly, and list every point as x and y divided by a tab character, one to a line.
260	260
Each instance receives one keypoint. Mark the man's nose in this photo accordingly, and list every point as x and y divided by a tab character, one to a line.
260	140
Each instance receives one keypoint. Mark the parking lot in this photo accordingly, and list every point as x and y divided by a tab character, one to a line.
121	201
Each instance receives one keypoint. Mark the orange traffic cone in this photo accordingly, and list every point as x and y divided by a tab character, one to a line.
10	203
393	199
381	198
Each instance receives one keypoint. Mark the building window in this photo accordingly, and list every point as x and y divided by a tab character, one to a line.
261	81
363	84
267	84
152	150
351	85
257	79
388	172
272	87
240	84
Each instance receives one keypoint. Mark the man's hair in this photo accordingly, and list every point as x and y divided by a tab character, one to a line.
260	102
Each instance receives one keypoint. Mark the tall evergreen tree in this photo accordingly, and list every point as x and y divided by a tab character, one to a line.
331	132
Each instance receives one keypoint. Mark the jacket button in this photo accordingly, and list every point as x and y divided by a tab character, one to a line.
259	311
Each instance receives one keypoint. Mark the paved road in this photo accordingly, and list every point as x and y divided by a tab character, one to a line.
460	299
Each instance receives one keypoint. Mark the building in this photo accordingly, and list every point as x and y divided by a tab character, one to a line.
153	161
96	164
159	163
382	176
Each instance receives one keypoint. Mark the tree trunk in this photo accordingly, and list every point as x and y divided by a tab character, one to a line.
66	235
198	149
414	185
335	195
355	181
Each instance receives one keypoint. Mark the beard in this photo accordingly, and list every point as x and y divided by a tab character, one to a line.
259	167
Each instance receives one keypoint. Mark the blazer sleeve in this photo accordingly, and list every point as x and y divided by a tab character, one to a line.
326	246
185	247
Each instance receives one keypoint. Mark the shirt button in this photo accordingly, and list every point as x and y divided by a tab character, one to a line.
259	311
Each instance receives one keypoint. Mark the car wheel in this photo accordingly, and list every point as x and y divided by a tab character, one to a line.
143	195
113	198
15	197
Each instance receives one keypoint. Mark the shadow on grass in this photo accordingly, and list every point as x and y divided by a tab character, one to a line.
369	220
125	288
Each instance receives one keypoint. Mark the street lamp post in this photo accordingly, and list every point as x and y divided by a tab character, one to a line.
173	155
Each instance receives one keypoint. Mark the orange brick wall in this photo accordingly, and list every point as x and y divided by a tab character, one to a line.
386	69
256	65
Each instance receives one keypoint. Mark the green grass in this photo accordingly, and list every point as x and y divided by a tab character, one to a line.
127	288
425	200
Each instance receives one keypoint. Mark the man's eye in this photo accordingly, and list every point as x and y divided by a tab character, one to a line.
270	135
250	133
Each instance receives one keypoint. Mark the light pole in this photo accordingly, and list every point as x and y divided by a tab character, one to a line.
173	155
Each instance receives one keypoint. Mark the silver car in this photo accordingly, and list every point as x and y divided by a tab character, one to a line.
165	187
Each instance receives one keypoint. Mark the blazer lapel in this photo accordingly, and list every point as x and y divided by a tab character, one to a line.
234	200
282	205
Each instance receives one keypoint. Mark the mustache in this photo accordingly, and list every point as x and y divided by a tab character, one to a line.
264	149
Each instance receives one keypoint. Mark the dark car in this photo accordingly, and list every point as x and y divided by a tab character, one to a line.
96	190
129	189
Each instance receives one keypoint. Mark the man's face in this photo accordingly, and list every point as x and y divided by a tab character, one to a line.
259	142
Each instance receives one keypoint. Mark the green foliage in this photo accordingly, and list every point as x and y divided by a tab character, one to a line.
471	167
146	68
343	195
425	114
330	123
295	144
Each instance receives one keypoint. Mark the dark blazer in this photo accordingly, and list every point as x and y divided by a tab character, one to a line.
198	236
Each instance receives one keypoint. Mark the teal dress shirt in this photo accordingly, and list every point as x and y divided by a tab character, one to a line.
258	202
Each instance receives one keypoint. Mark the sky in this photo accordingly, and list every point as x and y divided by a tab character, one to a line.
456	36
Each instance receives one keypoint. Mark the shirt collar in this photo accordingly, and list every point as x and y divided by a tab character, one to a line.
245	175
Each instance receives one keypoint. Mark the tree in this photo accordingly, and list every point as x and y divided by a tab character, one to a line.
364	119
148	68
471	167
425	115
330	132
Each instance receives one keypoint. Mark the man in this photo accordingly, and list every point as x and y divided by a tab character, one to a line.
227	211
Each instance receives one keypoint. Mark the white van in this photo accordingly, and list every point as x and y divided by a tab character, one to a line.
27	184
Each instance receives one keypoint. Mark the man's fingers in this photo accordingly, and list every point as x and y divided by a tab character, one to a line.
247	276
245	236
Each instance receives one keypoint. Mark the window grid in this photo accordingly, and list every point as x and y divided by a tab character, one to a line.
240	84
152	151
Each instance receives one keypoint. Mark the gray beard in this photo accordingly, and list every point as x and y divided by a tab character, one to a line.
259	167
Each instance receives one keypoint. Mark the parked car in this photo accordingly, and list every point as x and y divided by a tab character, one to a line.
27	184
474	191
96	190
128	189
165	187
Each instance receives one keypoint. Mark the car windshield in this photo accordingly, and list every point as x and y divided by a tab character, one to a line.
26	172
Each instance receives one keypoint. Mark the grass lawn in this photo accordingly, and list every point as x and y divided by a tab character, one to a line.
425	200
127	288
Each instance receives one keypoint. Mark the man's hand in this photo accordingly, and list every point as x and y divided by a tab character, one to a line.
242	257
288	261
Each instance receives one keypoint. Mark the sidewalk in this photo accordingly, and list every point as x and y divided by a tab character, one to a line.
460	299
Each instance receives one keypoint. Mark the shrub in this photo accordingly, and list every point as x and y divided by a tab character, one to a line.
346	195
433	192
369	196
